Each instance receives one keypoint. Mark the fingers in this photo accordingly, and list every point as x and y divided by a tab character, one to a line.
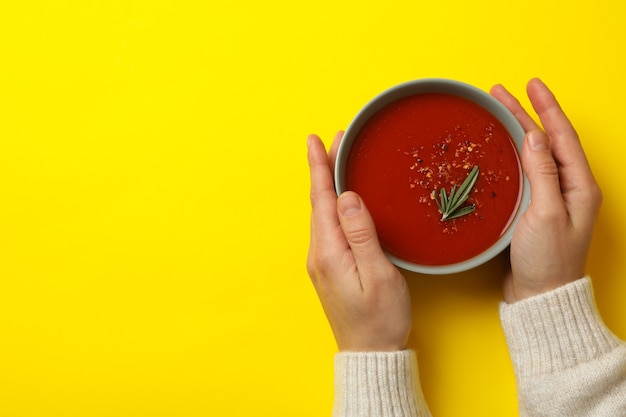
565	143
514	106
322	187
324	221
332	153
554	120
543	176
360	231
343	236
578	186
537	160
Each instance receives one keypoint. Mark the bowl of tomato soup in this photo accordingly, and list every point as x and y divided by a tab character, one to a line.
437	163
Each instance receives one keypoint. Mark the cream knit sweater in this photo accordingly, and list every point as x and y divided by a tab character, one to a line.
567	364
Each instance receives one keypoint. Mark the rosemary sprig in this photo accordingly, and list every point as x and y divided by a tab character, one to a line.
450	205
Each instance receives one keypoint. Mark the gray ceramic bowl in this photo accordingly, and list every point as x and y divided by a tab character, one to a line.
438	85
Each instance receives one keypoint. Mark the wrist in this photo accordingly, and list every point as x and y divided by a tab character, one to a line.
370	344
514	291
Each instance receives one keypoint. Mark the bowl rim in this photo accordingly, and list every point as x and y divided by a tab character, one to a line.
445	86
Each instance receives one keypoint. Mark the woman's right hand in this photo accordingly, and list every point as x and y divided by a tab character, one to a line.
550	244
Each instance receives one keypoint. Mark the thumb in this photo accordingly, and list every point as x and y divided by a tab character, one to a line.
360	231
541	170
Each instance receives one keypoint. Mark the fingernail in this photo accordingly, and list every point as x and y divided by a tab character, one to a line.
349	204
538	140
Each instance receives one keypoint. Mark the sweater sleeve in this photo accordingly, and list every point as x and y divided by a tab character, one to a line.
378	384
566	361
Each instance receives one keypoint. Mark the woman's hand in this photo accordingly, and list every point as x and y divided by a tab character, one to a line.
365	298
550	244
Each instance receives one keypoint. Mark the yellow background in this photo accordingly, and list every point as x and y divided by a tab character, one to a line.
154	193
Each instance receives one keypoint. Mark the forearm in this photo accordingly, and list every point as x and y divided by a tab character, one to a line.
566	361
378	384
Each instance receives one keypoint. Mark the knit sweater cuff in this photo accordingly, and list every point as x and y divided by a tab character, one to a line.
556	330
377	384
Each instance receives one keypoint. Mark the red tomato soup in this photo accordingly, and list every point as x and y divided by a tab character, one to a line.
412	148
